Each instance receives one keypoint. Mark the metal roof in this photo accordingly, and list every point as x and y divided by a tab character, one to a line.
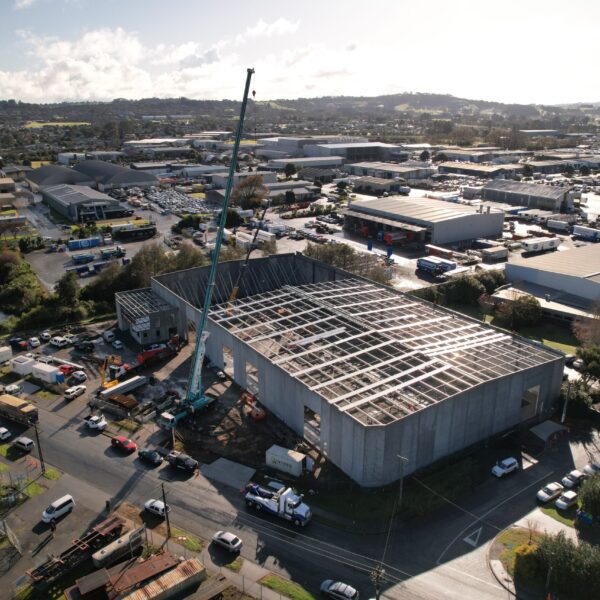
55	174
526	189
105	172
390	167
141	303
479	167
390	222
77	194
578	262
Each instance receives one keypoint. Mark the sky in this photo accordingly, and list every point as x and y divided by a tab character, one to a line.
524	51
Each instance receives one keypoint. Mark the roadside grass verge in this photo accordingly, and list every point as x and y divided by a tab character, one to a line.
235	565
127	425
52	474
566	517
3	467
187	540
511	539
286	587
10	452
33	488
45	395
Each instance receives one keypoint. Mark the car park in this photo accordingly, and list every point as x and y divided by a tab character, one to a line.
592	468
573	479
122	443
118	345
566	500
34	342
338	590
504	467
150	456
227	540
96	422
75	391
5	434
79	376
157	507
13	388
550	492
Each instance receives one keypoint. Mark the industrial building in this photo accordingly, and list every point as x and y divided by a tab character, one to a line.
108	176
55	175
327	162
477	170
81	203
287	146
363	372
548	167
353	151
531	195
375	185
409	170
7	185
422	220
219	180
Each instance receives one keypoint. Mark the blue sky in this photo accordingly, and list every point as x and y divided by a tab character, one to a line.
510	51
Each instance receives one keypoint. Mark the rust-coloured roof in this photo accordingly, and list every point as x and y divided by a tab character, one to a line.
140	572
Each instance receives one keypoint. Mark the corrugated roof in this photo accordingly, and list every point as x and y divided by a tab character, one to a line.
579	262
105	172
55	174
527	189
76	194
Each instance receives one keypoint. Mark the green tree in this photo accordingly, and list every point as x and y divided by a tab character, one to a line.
526	311
250	192
589	495
527	171
290	197
341	186
440	157
233	218
463	289
584	170
67	289
189	257
289	170
590	355
424	156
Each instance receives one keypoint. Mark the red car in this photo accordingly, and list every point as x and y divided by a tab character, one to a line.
122	443
67	369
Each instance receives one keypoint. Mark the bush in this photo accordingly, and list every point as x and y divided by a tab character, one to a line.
589	495
464	289
527	563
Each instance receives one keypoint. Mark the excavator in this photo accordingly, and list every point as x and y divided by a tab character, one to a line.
195	398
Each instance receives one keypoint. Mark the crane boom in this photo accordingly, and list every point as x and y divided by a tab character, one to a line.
194	387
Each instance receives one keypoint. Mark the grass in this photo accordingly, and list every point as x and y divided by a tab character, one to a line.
187	540
10	452
235	565
566	517
198	195
3	467
45	395
38	124
52	474
34	489
286	587
511	539
128	425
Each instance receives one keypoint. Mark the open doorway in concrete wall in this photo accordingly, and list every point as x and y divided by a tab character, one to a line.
228	361
529	403
312	428
252	378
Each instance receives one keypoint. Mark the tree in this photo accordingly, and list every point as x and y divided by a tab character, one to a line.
440	157
590	355
527	171
584	170
424	156
463	289
341	187
526	311
250	192
587	330
67	289
290	197
290	169
569	171
589	495
233	219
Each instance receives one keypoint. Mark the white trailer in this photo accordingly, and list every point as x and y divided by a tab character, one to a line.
122	388
586	233
557	225
5	354
45	372
265	236
22	365
494	253
287	461
540	244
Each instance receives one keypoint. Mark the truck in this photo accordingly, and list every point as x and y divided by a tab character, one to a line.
586	233
17	409
5	354
82	244
540	244
394	237
83	258
435	265
122	388
114	252
557	225
265	236
284	503
494	253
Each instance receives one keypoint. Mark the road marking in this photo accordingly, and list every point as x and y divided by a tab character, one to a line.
473	537
492	585
491	510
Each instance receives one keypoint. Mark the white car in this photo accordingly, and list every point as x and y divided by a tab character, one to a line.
71	339
13	388
45	336
228	540
74	391
97	422
573	479
504	467
79	376
567	500
34	342
4	433
117	345
157	507
590	469
338	590
550	492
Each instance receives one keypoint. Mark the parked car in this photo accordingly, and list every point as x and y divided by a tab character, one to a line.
75	391
79	376
573	479
45	336
567	500
122	443
228	540
85	346
97	422
550	492
71	339
18	343
34	342
67	369
24	444
58	508
578	364
338	590
157	507
13	388
118	345
59	341
4	433
504	467
150	456
592	468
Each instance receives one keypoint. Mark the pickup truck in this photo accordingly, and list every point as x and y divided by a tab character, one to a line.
182	461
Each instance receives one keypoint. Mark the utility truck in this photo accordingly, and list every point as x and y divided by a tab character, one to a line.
284	503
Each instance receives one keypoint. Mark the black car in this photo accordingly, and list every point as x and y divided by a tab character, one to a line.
182	461
150	456
18	343
84	346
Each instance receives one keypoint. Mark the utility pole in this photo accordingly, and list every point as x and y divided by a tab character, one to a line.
376	576
564	412
164	496
37	439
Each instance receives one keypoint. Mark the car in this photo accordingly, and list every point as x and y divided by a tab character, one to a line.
338	590
550	492
567	500
13	388
150	456
67	369
34	342
592	468
79	376
506	466
117	345
71	339
157	507
578	364
75	391
228	540
84	346
573	479
97	422
4	433
182	461
18	343
122	443
45	336
570	359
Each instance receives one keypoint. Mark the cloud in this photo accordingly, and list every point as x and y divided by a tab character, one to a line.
278	27
21	4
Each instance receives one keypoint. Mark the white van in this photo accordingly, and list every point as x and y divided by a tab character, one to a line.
59	341
58	508
24	444
109	336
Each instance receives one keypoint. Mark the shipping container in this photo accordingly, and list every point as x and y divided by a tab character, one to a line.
433	264
287	461
265	236
495	253
540	244
437	251
5	353
85	243
84	257
586	233
45	372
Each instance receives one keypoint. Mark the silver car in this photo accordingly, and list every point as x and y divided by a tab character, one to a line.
227	540
573	479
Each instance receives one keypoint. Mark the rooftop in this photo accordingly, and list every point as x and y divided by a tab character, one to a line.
578	262
527	189
452	164
141	303
382	166
75	194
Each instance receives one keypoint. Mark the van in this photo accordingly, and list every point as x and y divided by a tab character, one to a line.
58	508
109	336
59	341
24	444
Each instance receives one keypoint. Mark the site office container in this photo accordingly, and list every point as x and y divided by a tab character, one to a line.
84	243
287	461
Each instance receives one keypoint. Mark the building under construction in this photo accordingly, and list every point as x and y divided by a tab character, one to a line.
363	372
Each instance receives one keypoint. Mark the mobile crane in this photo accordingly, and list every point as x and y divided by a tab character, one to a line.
195	399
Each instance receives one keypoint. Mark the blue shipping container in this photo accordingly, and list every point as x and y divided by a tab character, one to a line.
85	243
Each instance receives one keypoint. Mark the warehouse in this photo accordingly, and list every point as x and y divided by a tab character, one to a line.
476	170
108	176
353	151
423	220
7	184
375	185
531	195
54	175
369	373
81	203
410	170
327	162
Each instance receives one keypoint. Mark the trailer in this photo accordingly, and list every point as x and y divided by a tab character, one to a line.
435	265
284	503
17	409
114	252
394	237
494	253
84	257
122	388
265	236
82	244
5	354
438	251
557	225
540	244
586	233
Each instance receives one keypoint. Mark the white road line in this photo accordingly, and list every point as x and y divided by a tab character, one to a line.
491	510
497	587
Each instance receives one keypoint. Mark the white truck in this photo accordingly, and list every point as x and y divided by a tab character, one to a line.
540	244
284	503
